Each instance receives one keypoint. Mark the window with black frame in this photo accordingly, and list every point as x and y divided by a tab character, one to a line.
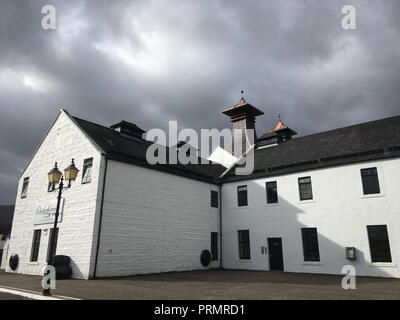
244	244
87	171
310	244
272	192
305	188
214	245
370	181
379	243
52	186
214	199
242	196
35	245
24	191
49	253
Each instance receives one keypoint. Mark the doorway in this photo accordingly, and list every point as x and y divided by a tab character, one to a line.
275	253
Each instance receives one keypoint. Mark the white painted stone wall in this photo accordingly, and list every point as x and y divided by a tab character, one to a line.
158	222
154	222
4	245
339	210
63	142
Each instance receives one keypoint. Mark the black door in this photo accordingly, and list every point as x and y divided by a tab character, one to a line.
275	253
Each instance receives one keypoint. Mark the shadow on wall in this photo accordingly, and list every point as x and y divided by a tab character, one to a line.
76	271
285	220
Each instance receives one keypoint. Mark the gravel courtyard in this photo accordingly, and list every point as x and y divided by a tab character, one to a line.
214	284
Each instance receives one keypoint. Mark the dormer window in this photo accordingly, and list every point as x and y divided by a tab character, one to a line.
128	129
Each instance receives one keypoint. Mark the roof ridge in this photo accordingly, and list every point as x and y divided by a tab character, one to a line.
346	127
97	124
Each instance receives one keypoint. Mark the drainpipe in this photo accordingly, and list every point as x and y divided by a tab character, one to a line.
220	224
100	218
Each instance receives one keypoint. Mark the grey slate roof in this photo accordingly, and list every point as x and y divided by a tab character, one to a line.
366	141
125	149
6	218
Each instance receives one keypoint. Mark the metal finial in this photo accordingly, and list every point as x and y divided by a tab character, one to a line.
242	93
279	117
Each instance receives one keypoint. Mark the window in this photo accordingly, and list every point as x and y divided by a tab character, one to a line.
379	243
244	244
49	253
305	188
35	245
310	244
52	186
87	171
242	196
370	181
214	199
272	192
214	245
24	191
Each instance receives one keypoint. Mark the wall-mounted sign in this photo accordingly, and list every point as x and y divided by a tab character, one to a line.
46	214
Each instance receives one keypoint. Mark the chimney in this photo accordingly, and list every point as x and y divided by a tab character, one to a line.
243	116
128	129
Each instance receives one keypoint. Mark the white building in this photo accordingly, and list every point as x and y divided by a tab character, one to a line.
308	199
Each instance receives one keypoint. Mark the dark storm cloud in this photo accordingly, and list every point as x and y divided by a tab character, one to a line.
154	61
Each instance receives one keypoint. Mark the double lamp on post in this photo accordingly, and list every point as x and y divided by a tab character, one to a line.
56	177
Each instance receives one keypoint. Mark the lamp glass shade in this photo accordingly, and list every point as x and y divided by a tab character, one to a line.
71	172
54	175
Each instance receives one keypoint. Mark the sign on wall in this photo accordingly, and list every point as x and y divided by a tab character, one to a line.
46	214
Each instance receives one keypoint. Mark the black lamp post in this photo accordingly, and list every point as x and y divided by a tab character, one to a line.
55	176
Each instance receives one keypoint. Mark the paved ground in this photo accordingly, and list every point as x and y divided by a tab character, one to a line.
215	284
7	296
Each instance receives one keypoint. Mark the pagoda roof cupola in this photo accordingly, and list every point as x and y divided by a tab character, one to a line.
276	135
242	110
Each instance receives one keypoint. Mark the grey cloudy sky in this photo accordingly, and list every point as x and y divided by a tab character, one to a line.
153	61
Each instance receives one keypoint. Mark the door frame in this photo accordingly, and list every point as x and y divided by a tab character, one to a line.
269	252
